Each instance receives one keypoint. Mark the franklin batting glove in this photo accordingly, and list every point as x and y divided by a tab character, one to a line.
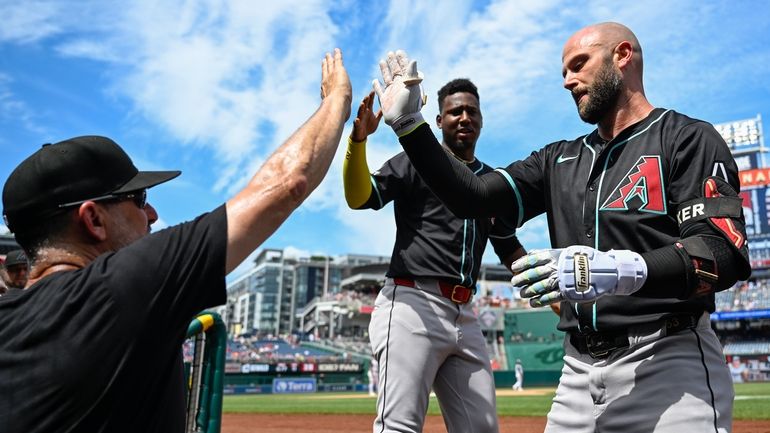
536	276
402	98
586	274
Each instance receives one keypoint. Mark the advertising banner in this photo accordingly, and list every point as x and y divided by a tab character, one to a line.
294	385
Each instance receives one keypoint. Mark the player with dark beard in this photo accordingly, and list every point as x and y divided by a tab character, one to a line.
645	223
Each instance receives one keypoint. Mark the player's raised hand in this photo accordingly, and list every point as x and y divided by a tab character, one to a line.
334	78
402	98
366	121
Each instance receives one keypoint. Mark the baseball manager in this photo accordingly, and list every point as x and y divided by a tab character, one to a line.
94	342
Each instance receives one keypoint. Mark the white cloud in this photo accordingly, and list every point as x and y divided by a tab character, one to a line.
13	109
506	49
292	252
237	77
29	21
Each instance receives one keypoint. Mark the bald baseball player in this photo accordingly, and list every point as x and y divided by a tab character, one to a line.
423	330
646	225
94	342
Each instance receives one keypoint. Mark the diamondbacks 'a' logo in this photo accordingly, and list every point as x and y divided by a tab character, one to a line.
643	184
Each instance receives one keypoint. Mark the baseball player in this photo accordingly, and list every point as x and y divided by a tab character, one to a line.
94	342
423	330
646	224
518	371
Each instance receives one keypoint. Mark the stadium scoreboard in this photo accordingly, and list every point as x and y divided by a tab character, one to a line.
746	142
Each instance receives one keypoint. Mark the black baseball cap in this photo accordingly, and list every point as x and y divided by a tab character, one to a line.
15	257
69	171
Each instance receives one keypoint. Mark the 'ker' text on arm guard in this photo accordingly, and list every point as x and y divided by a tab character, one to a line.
356	179
712	253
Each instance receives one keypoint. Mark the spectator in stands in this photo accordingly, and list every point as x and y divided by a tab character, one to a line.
738	370
15	271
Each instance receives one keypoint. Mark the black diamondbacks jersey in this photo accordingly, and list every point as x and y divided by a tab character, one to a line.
431	242
621	194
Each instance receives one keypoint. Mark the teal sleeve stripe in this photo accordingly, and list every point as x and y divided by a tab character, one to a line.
516	193
377	191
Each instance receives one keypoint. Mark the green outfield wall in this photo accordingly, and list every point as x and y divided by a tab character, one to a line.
532	337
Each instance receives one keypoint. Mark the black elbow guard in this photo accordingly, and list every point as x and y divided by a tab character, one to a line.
714	263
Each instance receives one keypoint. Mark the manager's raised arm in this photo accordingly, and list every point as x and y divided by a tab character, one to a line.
93	341
293	171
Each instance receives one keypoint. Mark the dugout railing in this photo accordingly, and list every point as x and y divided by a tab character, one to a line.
205	378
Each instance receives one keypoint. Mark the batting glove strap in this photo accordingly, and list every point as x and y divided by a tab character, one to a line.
632	271
407	123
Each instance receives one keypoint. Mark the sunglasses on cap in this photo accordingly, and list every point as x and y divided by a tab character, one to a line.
138	197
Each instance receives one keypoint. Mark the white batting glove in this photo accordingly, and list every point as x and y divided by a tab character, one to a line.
402	97
586	274
536	276
578	274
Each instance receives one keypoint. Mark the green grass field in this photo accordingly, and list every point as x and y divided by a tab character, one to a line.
752	402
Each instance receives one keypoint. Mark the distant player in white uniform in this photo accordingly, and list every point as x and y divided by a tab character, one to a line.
519	371
373	374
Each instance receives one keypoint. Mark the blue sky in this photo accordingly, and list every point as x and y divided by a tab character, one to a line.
212	87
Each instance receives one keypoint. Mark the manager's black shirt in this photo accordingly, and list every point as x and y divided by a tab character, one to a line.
99	349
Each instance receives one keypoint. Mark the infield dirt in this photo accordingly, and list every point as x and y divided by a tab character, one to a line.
294	423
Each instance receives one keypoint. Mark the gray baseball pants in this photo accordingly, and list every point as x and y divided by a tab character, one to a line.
424	340
661	383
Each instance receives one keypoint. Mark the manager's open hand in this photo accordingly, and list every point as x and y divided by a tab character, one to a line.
334	78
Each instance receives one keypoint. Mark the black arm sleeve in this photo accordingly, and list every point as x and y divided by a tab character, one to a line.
464	193
666	274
